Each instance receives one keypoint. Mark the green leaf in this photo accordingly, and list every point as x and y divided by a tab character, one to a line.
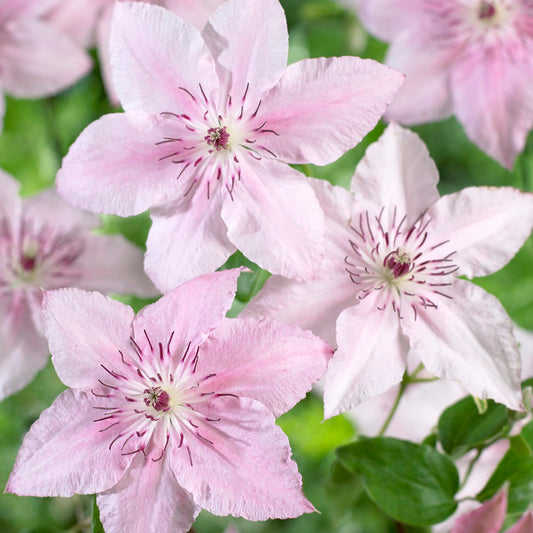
309	433
516	467
413	483
461	427
97	526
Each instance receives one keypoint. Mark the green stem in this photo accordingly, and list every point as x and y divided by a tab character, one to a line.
471	466
401	390
422	380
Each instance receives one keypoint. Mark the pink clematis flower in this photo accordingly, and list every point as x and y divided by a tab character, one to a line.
489	518
36	60
390	285
209	120
170	410
88	22
471	58
46	243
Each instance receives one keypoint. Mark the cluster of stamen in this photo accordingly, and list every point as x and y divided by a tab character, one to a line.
398	264
218	138
154	398
38	256
207	146
486	10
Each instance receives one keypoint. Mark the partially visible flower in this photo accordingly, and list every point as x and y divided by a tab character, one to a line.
390	281
422	403
36	59
489	518
170	410
46	243
470	58
89	21
211	119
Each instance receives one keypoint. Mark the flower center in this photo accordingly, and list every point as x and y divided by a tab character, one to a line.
235	131
154	398
37	255
157	398
486	10
398	264
218	138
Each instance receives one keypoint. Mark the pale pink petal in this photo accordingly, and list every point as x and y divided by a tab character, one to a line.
524	525
110	263
10	204
195	12
274	218
271	362
153	54
398	171
371	357
493	99
469	338
26	8
36	60
85	330
417	414
485	519
147	498
64	453
77	18
248	50
187	238
24	351
323	107
114	166
188	313
485	226
103	35
313	305
48	208
316	304
425	94
247	471
387	18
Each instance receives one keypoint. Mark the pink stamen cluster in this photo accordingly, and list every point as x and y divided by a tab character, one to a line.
156	398
208	145
486	10
38	256
399	264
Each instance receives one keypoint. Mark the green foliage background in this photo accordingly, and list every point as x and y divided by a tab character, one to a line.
37	135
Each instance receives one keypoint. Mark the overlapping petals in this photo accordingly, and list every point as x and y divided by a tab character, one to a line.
36	59
46	243
389	279
460	59
172	410
220	126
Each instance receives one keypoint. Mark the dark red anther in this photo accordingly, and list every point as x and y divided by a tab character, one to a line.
486	10
399	263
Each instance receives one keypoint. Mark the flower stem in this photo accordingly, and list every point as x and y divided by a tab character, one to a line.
401	390
471	466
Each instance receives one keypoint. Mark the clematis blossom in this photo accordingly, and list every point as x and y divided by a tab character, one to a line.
36	59
471	58
210	121
46	243
389	287
489	518
170	410
88	22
